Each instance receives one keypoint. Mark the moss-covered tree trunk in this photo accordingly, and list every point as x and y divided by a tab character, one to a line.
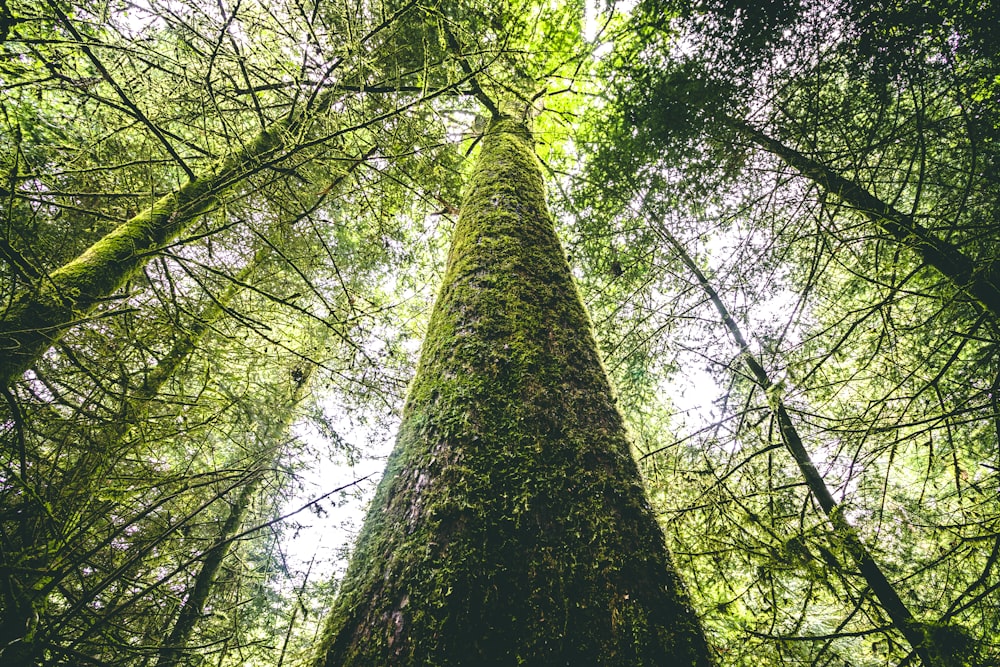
511	526
38	318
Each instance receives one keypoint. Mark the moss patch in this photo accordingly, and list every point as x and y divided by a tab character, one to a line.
35	320
511	527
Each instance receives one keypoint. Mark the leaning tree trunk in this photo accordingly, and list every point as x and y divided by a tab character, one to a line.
22	592
37	319
979	280
511	526
921	639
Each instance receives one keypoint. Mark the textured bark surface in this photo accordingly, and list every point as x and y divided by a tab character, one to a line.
37	319
511	527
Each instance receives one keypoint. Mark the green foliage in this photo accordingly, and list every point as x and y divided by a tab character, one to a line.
870	345
164	383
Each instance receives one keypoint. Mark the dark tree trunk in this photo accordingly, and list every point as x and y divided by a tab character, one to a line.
511	526
978	279
919	635
25	591
28	591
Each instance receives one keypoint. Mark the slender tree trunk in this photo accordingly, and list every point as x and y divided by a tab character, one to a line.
511	526
920	640
193	607
27	595
981	281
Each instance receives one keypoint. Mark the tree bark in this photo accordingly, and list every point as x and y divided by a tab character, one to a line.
38	318
511	526
979	280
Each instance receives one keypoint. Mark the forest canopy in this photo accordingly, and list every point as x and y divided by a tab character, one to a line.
224	226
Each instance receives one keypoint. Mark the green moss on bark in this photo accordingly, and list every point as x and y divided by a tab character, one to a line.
511	527
36	319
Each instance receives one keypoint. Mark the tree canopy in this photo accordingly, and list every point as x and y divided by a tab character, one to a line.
223	225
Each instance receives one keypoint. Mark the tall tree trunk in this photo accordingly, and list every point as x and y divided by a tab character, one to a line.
922	642
36	319
979	280
511	526
193	607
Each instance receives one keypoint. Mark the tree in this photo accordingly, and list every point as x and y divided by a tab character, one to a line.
511	526
922	640
38	558
716	115
980	280
827	171
193	605
36	318
137	425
